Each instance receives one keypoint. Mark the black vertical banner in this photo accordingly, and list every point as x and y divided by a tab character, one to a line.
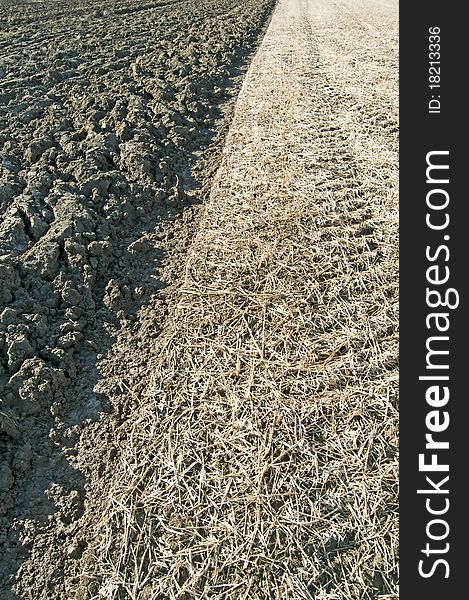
434	434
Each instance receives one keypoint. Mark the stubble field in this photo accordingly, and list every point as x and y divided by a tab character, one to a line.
198	302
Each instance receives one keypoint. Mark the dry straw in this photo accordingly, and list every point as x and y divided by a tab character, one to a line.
262	463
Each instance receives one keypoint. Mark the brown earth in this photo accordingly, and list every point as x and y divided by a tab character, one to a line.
112	116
